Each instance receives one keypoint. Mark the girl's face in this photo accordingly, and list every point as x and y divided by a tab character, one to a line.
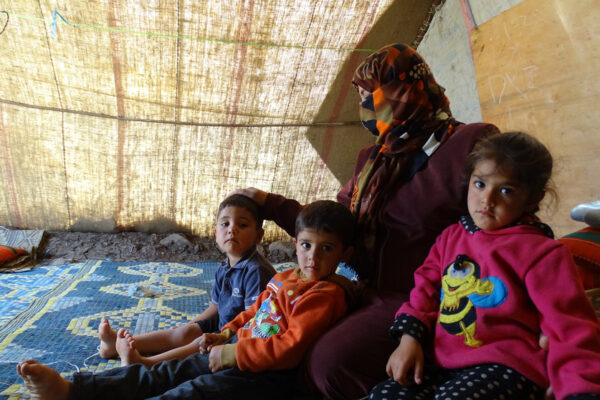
495	199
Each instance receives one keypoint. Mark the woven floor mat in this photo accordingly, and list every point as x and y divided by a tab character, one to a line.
51	314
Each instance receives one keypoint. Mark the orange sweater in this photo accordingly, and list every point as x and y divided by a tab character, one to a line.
286	319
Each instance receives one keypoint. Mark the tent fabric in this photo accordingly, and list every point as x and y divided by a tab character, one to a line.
146	114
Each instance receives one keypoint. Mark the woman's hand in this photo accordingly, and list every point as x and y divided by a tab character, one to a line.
406	363
208	341
259	196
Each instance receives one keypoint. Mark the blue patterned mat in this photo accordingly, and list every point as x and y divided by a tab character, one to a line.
51	314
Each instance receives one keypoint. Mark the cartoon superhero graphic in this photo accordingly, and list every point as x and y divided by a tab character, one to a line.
260	322
462	291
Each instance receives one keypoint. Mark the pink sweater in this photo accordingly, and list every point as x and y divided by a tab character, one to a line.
517	282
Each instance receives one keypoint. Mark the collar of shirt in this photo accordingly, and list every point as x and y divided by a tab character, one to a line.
243	260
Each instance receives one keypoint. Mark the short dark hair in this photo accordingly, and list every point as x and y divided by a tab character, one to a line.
328	216
519	154
239	200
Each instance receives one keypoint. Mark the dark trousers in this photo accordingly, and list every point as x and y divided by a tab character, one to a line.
484	382
189	378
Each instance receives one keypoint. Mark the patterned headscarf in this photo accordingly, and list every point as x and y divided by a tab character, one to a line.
410	115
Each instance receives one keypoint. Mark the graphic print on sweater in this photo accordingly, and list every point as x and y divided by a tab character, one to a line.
462	292
261	322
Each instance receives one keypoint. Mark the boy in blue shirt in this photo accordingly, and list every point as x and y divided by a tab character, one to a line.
238	282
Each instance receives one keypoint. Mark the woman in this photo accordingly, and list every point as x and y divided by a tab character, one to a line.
405	190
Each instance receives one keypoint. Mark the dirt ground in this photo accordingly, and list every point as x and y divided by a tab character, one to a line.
63	247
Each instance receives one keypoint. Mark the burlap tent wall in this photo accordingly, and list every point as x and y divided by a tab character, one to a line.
145	114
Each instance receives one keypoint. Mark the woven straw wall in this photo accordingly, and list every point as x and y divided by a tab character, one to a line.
146	114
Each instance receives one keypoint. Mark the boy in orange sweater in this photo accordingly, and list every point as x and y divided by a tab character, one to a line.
255	355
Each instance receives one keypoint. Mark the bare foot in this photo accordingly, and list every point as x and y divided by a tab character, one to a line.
126	348
43	382
108	338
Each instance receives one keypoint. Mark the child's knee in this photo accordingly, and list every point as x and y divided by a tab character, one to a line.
192	331
186	333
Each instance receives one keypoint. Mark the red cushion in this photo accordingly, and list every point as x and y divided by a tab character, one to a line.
8	254
584	246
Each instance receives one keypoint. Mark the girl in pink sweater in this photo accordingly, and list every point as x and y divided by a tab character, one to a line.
489	286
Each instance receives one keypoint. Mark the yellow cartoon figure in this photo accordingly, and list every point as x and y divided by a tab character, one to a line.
457	309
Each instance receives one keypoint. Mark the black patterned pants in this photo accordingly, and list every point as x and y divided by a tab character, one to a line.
487	381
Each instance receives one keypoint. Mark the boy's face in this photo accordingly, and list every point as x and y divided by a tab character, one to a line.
495	200
236	232
319	253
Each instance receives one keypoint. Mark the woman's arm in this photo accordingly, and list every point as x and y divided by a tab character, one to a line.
276	208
